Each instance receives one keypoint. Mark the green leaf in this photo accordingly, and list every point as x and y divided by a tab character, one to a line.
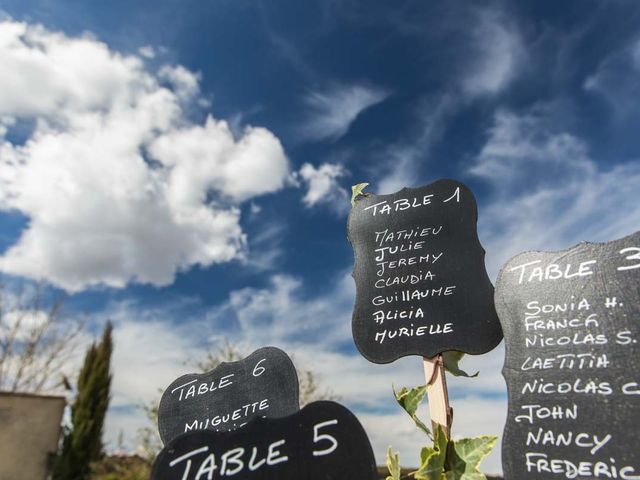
466	476
410	400
393	464
451	360
465	457
432	460
356	191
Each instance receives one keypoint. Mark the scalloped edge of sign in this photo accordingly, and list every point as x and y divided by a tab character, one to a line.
559	254
236	362
458	348
275	420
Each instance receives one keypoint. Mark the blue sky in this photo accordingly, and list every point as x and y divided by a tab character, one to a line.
183	167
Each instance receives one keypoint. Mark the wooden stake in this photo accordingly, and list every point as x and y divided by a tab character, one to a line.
439	408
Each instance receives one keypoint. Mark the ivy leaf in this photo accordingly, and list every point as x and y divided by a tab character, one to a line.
410	400
393	464
466	455
451	360
356	191
466	476
432	460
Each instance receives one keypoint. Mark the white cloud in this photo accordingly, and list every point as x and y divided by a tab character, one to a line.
207	157
323	187
269	314
548	193
494	57
400	161
617	79
147	51
497	56
265	246
521	149
334	110
118	184
150	351
185	83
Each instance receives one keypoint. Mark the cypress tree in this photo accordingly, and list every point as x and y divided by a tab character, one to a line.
82	444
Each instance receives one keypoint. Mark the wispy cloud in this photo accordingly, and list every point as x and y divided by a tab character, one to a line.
399	162
496	54
118	183
265	246
332	111
494	57
323	187
617	79
548	193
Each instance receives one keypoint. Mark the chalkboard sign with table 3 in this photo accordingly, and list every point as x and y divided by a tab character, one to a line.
571	322
421	282
264	384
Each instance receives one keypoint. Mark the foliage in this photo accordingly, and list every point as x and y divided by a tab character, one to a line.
432	459
409	400
310	391
466	455
451	360
36	342
82	444
393	464
356	191
121	467
149	442
446	459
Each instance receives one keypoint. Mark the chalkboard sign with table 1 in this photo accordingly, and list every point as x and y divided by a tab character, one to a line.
421	283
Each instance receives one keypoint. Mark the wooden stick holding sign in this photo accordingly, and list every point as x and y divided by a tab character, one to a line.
439	408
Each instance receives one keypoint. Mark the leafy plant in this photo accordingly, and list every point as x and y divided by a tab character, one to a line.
451	360
410	400
393	464
446	459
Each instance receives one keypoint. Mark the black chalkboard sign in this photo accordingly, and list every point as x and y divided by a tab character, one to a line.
264	384
324	441
571	323
421	284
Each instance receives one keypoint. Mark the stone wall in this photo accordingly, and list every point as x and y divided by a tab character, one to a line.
29	434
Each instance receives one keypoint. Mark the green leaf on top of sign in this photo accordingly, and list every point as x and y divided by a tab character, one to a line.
451	360
356	191
409	400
